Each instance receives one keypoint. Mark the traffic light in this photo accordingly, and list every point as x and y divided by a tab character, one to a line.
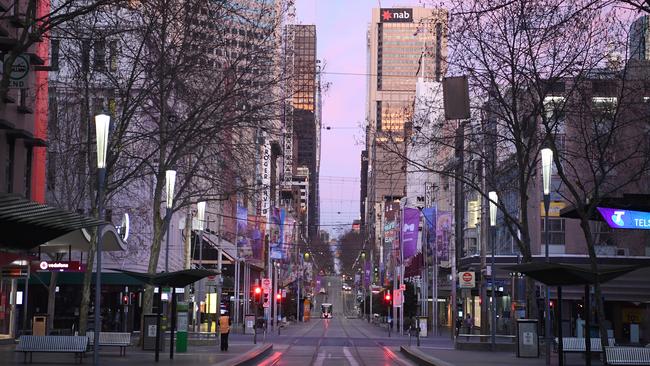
266	301
278	296
387	297
257	291
125	299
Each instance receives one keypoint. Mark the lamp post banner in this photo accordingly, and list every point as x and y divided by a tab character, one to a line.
410	231
243	243
256	232
277	232
443	230
430	214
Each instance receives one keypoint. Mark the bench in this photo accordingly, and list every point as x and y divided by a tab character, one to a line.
111	339
574	344
627	355
28	344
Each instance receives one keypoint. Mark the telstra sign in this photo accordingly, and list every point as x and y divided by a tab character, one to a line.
625	219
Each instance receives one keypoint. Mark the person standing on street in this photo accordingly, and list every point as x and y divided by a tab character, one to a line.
224	329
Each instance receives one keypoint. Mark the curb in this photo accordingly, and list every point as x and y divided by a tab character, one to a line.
422	358
251	357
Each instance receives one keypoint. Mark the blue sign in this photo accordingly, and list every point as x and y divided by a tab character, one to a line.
625	219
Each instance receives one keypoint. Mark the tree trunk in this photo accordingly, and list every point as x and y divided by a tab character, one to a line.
147	298
85	290
51	301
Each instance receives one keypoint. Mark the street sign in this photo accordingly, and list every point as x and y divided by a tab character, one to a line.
266	284
397	298
19	71
466	279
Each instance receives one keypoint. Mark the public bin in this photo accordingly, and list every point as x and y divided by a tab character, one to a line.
149	331
39	325
527	338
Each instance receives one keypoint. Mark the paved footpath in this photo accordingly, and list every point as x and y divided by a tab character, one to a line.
196	355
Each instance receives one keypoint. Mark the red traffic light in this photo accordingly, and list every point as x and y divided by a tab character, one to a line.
125	300
278	296
258	290
387	297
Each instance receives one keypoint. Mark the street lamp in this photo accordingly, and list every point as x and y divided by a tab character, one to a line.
494	200
102	126
547	159
200	218
170	180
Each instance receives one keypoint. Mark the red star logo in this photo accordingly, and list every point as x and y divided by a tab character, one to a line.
386	15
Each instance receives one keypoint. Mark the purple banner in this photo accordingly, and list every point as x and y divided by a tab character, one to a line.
618	218
410	231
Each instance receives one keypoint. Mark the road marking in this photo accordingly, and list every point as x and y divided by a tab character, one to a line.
319	359
348	355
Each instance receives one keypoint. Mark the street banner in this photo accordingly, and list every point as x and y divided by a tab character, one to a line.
243	245
429	214
276	232
443	234
256	232
410	231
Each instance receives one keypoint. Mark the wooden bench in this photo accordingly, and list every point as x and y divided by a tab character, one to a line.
111	339
627	355
28	344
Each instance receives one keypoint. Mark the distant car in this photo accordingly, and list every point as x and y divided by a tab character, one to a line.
347	288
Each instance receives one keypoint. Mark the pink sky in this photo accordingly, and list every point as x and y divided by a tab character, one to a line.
341	37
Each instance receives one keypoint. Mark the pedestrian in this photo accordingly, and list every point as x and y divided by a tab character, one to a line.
224	330
469	324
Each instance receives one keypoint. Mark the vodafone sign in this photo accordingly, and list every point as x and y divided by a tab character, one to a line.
466	279
71	266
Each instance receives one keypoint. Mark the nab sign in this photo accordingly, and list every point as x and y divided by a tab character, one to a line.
401	15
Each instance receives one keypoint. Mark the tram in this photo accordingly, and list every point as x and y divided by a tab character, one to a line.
326	311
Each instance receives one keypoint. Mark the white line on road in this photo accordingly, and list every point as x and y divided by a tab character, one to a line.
348	355
319	359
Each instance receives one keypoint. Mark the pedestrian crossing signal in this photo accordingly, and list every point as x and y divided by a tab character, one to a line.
266	301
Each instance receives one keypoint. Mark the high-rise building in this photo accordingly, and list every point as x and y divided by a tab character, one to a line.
403	44
305	112
638	39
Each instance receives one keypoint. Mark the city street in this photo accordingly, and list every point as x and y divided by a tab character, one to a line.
337	341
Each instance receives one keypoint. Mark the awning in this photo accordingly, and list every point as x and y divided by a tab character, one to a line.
634	202
25	224
79	240
557	274
180	278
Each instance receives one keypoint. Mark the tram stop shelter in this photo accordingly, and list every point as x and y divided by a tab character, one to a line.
559	275
175	279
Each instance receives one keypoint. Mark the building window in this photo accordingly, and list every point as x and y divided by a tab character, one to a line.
113	55
556	233
99	61
9	164
28	172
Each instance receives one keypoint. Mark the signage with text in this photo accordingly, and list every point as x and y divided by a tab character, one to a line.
625	219
396	15
70	266
466	279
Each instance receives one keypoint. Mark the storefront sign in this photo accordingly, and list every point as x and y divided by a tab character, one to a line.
553	209
466	279
401	15
625	219
70	266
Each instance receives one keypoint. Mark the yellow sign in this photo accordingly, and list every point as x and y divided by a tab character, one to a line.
553	210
